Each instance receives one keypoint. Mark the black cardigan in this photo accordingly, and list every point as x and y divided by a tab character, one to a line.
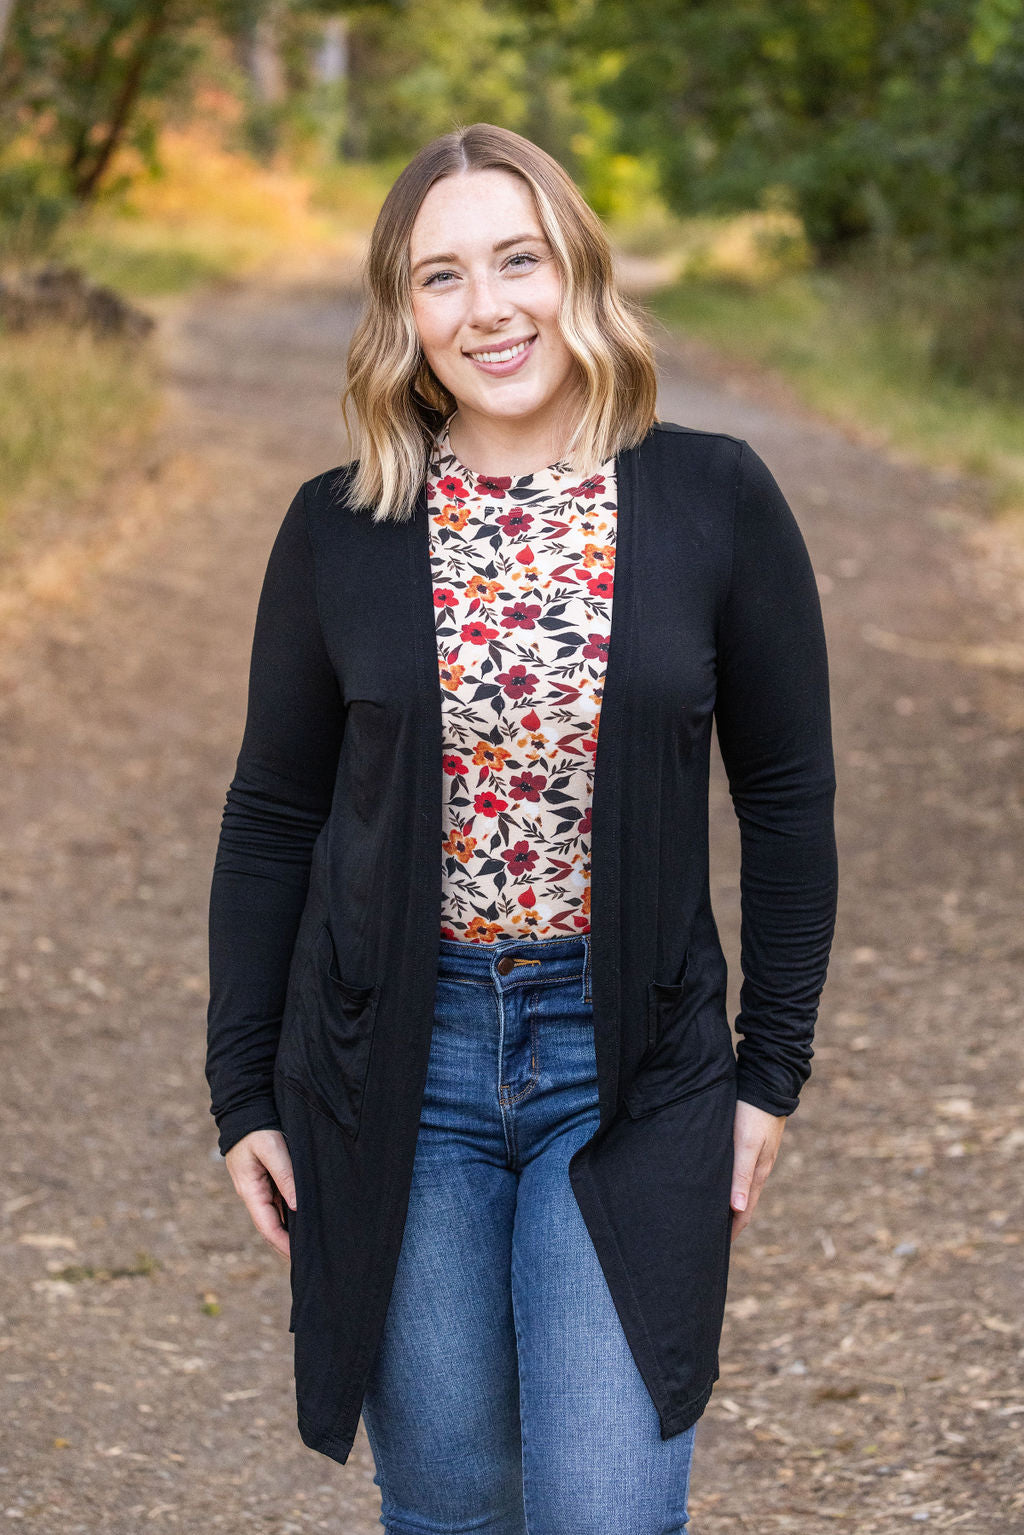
324	911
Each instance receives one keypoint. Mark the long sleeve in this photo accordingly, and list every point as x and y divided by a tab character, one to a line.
276	804
774	730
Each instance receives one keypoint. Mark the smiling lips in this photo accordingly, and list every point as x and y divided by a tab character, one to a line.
503	360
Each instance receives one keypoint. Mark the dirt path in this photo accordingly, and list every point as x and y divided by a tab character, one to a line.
872	1362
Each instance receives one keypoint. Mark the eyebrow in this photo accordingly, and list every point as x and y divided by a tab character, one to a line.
499	245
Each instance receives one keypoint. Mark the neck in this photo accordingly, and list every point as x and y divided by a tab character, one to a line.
502	447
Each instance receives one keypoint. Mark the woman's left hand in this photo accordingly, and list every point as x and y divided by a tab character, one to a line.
756	1138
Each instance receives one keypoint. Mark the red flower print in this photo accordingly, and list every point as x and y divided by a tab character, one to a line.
488	803
492	485
518	520
516	682
521	615
526	785
519	749
477	633
520	858
592	487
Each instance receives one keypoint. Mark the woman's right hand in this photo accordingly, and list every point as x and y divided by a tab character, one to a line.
261	1170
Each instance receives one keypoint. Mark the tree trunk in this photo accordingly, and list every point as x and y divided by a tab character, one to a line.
262	58
6	12
86	178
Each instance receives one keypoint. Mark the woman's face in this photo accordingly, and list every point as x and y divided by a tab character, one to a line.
484	281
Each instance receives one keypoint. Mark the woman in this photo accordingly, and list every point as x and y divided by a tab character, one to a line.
468	1047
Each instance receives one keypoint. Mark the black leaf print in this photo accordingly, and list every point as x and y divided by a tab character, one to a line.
515	560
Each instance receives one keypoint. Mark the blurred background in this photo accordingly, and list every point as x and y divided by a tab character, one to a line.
822	208
834	190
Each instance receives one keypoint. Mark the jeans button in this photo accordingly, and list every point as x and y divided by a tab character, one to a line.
505	964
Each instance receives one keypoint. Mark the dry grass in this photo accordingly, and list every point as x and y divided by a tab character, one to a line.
214	213
73	409
76	412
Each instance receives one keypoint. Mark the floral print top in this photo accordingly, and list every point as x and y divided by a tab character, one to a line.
522	573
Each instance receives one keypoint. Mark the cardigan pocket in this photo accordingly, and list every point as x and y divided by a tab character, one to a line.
687	1051
331	1038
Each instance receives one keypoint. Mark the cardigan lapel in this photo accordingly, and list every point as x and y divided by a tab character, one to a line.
605	844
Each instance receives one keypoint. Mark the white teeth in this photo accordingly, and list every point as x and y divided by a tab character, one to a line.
506	356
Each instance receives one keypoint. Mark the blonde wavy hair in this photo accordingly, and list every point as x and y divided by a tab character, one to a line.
400	404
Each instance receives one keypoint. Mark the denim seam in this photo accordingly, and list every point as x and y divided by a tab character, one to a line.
534	1071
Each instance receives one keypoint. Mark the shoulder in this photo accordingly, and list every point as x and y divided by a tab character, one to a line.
327	513
667	450
327	488
718	461
670	449
698	468
696	431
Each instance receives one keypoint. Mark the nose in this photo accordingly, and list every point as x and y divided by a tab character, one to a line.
487	304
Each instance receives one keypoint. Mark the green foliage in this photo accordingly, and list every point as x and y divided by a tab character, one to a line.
416	74
895	129
897	124
859	343
33	206
83	76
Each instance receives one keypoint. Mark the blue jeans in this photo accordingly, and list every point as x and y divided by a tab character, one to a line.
504	1399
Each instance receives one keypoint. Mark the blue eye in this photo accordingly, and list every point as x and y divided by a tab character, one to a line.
526	256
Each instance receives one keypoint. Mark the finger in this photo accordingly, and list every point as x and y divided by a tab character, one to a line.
265	1216
267	1163
740	1221
279	1166
744	1163
743	1213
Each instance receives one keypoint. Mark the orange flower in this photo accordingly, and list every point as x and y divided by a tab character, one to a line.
480	931
451	675
599	554
480	588
451	516
459	846
486	754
